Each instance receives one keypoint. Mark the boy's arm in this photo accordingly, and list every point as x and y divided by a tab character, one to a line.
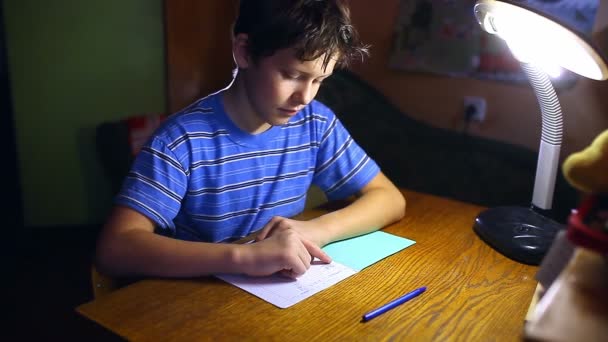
379	203
128	246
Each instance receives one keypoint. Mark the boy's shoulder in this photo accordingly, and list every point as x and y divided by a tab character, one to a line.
318	108
200	111
206	105
199	116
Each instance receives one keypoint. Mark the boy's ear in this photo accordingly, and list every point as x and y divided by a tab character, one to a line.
240	50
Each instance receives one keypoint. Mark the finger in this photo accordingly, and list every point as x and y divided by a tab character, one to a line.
297	268
305	257
266	229
316	252
287	274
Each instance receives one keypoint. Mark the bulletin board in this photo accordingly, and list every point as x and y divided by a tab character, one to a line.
443	37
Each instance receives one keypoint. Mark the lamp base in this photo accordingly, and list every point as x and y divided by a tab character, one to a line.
519	233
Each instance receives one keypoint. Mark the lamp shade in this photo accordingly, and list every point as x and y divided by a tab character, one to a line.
537	33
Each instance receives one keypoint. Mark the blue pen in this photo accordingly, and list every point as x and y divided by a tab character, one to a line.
384	308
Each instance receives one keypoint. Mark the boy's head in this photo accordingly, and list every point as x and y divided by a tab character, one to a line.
313	28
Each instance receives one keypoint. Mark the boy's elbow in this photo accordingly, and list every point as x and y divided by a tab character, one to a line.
103	261
400	206
106	259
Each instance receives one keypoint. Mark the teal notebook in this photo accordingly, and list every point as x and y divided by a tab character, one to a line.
362	251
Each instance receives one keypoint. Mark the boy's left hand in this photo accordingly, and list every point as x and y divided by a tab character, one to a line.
306	229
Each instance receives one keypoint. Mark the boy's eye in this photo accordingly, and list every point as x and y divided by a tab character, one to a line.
299	77
291	76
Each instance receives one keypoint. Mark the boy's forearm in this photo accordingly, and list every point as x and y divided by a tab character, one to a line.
372	211
140	253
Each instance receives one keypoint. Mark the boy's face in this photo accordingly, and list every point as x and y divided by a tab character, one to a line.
280	85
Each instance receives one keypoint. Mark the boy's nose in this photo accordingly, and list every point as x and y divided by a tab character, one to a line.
305	94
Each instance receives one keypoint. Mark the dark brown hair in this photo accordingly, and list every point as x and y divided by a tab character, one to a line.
314	28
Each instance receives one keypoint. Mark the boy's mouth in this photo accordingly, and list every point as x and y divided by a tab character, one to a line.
289	111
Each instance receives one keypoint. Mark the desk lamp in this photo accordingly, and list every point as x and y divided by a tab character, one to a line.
542	43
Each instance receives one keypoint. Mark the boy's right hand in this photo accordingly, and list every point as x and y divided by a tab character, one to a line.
285	252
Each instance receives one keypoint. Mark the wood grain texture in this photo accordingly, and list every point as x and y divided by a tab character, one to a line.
474	294
198	49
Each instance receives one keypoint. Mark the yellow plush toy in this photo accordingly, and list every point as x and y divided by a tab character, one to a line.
573	306
587	170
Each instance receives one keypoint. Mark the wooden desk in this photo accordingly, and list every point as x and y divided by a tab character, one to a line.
474	294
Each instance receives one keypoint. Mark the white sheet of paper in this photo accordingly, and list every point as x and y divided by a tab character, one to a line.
354	254
284	292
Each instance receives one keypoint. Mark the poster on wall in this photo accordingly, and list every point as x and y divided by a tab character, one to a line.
443	37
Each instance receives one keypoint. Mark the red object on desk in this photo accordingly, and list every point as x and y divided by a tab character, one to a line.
588	225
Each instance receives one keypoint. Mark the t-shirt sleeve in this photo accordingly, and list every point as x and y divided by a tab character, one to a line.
155	185
343	168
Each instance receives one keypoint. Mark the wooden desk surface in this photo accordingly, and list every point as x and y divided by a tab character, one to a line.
474	294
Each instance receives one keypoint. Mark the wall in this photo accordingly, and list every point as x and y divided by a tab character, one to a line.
513	114
198	51
74	64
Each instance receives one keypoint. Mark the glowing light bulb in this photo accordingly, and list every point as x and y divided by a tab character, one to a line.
536	39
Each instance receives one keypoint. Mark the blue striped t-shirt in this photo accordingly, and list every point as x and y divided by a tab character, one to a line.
202	178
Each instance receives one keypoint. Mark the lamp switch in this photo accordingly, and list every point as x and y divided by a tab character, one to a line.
474	108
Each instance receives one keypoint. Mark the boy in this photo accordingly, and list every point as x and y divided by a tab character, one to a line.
241	160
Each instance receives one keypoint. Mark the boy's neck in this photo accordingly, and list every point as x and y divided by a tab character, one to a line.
239	110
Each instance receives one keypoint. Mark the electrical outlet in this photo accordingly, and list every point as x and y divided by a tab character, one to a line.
474	108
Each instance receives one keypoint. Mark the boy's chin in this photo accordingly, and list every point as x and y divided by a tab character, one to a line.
280	121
